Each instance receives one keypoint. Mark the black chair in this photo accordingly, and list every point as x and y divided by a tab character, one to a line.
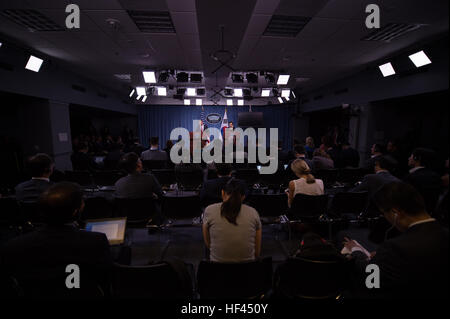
106	178
83	178
274	180
351	176
349	203
248	280
30	212
10	211
308	207
189	177
184	205
158	281
309	279
165	177
154	164
212	174
250	176
269	206
139	211
97	208
328	176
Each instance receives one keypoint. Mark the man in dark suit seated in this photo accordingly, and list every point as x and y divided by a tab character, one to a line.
81	161
154	153
413	264
376	151
349	157
136	184
373	182
424	179
40	257
40	167
212	189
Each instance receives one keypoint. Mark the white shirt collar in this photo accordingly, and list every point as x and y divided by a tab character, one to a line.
41	178
422	221
382	171
412	170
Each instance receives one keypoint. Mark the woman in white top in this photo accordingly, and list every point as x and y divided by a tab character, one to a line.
305	184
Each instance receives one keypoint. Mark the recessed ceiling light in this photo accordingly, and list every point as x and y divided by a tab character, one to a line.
240	102
420	59
238	92
198	101
132	92
283	79
229	102
34	63
387	69
280	100
265	92
187	102
149	76
139	96
140	90
144	98
190	92
162	91
285	93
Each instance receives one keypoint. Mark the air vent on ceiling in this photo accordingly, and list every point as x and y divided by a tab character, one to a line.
78	88
391	31
152	21
341	91
6	66
31	19
285	26
318	97
101	94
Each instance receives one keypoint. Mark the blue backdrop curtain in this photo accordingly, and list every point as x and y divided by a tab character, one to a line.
160	120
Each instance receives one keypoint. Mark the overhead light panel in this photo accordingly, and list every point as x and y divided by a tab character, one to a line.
162	91
144	98
190	92
285	93
198	102
387	69
238	92
265	92
229	102
240	102
283	79
132	92
280	99
187	102
419	59
149	76
139	97
34	63
140	90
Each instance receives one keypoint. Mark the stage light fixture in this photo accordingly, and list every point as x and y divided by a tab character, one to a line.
181	91
246	92
140	90
275	92
144	98
196	77
198	102
270	78
265	92
240	102
293	94
132	92
386	69
228	92
139	97
200	92
229	102
238	92
283	79
149	76
162	91
286	93
163	76
419	59
237	78
190	92
34	63
182	77
252	77
187	102
280	100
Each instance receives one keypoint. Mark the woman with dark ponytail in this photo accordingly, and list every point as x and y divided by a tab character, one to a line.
231	229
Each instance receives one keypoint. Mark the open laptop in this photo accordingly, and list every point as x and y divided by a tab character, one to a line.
113	228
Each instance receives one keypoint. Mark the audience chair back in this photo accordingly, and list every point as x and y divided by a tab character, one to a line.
308	279
139	211
181	206
351	176
351	203
269	205
248	280
97	208
9	215
154	164
106	178
308	207
83	178
157	281
165	177
249	175
328	176
189	178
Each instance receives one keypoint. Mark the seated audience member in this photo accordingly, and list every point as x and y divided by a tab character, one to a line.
136	184
349	157
81	161
283	156
309	147
212	189
154	153
299	153
305	184
321	160
113	157
424	179
376	151
135	147
41	167
415	263
231	229
373	182
43	255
